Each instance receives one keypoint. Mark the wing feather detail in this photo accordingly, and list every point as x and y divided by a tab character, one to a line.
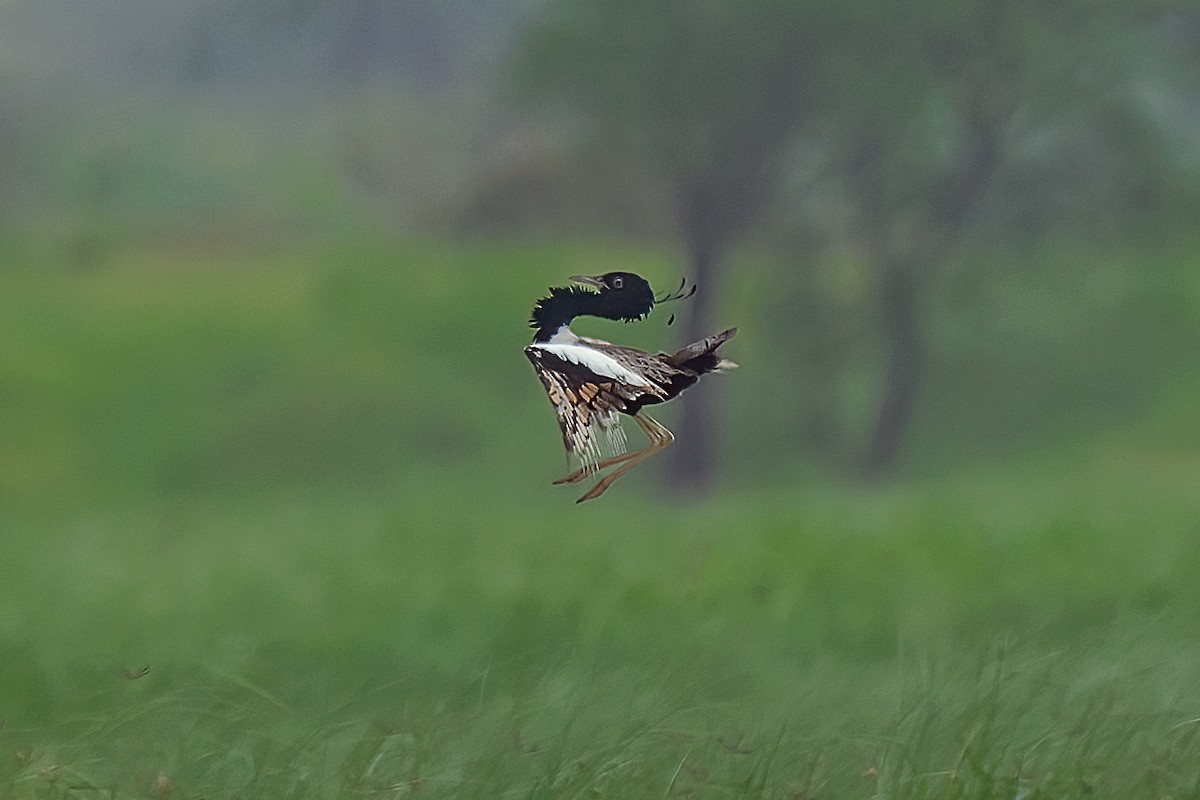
588	402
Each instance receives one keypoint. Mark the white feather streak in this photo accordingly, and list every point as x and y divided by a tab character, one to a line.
599	363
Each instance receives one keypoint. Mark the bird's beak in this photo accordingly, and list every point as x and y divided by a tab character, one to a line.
588	280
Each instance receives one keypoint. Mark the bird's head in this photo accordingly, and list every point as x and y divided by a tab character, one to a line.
620	295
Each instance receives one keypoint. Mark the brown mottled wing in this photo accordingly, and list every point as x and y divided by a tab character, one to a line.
656	368
586	404
669	374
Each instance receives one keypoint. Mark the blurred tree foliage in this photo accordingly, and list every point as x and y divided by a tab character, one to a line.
707	94
915	128
965	117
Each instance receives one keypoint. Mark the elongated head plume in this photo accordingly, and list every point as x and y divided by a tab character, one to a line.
682	293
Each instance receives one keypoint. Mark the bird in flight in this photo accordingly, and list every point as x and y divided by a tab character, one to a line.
590	382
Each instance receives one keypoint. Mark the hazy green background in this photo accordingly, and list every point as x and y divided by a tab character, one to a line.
266	429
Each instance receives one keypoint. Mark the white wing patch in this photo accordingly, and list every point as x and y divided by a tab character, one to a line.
614	434
601	364
588	407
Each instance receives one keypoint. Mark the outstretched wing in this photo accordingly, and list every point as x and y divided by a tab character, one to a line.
586	401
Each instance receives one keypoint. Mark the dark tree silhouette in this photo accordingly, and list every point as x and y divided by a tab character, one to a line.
706	95
936	97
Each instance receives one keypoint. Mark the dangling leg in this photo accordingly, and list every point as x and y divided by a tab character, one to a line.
581	473
659	438
592	469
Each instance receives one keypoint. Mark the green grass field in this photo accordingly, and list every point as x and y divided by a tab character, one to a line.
316	506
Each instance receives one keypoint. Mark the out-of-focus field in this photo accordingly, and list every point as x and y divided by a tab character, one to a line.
308	488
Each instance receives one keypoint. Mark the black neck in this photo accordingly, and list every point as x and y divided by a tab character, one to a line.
563	305
566	303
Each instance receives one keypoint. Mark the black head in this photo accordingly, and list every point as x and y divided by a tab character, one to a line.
620	295
614	295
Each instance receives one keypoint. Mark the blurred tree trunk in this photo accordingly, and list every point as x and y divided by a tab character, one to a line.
899	309
706	96
692	462
903	259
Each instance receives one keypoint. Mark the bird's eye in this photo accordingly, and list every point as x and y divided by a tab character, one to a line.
618	283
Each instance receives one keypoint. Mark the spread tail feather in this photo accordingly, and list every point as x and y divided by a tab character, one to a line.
699	356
